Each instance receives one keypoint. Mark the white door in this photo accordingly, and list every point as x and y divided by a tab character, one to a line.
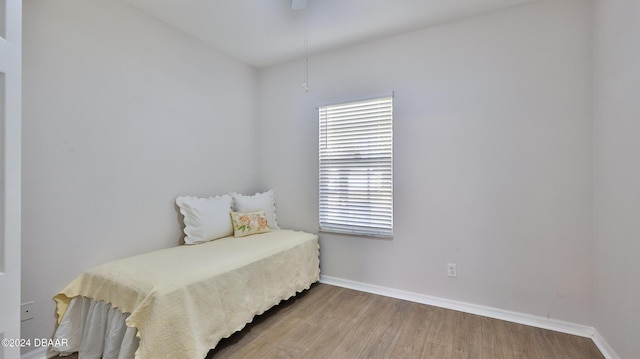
10	139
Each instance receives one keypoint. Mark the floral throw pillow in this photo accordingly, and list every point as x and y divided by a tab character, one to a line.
247	223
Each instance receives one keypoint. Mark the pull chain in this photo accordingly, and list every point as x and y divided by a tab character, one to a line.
305	85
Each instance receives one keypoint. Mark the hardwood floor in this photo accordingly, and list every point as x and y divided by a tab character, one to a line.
333	322
328	322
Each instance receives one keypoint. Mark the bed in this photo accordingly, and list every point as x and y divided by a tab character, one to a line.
180	302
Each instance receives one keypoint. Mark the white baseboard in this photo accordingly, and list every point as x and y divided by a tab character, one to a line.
510	316
604	347
40	353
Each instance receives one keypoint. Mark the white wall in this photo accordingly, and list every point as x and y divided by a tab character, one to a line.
121	115
493	169
617	174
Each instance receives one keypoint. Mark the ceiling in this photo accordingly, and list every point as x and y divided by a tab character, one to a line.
266	32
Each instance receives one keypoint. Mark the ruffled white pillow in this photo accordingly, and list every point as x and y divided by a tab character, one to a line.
260	201
205	219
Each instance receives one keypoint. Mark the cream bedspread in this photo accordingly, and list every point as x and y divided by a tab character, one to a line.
183	300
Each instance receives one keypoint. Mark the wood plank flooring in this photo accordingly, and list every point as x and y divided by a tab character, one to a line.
333	322
328	322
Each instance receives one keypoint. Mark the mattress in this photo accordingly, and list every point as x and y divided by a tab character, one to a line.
183	300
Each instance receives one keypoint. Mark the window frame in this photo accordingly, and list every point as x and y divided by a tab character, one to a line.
355	155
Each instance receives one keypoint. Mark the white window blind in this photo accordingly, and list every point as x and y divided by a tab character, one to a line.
356	167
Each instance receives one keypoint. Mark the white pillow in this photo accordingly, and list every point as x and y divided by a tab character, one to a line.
205	219
259	201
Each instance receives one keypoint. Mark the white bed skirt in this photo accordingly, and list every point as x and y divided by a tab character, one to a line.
94	330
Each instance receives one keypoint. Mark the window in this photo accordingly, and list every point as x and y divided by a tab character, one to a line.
356	167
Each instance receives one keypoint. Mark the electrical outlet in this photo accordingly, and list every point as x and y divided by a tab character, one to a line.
26	311
451	270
